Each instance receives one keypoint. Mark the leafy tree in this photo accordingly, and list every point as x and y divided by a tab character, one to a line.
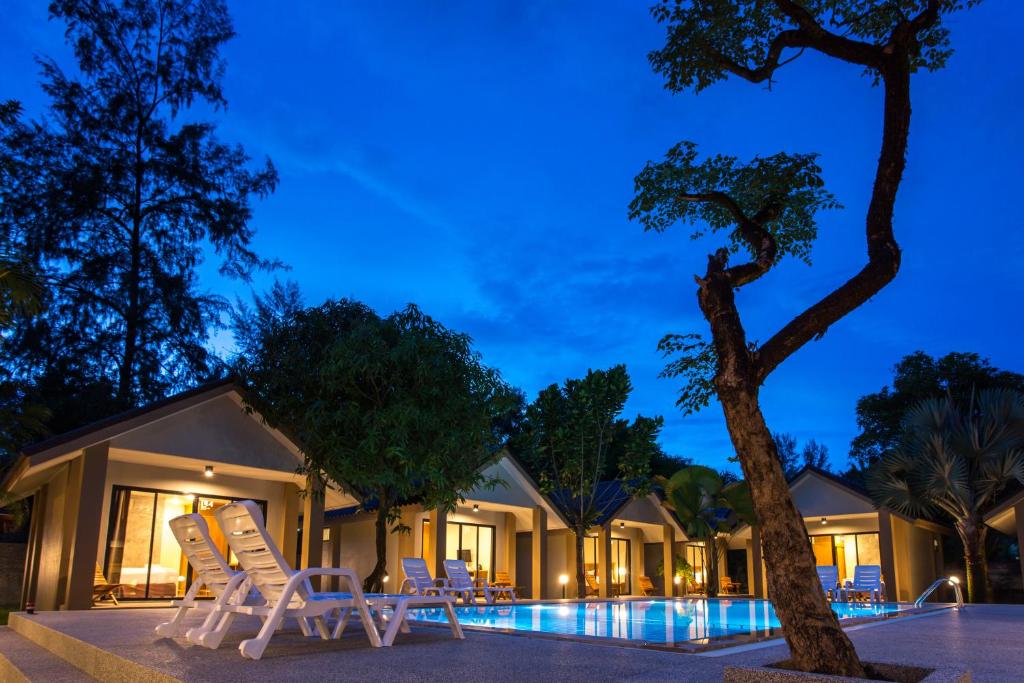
571	435
917	377
766	210
391	409
708	506
126	197
794	460
958	455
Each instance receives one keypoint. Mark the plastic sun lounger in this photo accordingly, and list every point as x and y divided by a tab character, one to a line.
829	577
460	582
288	593
867	578
418	580
211	570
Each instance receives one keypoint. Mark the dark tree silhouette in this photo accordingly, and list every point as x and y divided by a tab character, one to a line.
127	196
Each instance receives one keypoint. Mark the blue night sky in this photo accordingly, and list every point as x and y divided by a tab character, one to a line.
477	158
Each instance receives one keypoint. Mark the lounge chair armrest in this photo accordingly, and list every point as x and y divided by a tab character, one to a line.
300	576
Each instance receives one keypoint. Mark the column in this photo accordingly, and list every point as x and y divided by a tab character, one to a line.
668	545
539	542
757	577
571	590
84	509
290	526
604	560
335	531
1018	513
510	546
887	552
312	530
438	541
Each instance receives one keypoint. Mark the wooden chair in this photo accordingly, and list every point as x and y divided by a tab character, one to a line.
729	586
502	579
593	588
101	589
647	586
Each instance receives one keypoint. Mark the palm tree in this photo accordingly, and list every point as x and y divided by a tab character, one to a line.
956	459
707	506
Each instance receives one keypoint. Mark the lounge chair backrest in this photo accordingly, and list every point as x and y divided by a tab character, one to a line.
867	576
417	574
829	576
99	579
458	574
592	583
502	578
646	583
258	555
193	535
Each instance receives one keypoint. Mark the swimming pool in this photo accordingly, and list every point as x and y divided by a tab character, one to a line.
659	621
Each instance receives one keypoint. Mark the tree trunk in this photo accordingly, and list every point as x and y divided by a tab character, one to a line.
711	567
816	641
972	533
581	567
374	583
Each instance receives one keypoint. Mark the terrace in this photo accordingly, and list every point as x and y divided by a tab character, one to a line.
120	645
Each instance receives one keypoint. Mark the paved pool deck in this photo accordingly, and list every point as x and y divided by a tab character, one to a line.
987	639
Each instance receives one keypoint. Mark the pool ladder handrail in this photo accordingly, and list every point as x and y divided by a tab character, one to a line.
952	581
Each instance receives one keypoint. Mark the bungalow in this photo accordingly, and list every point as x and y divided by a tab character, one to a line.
102	494
1008	518
845	529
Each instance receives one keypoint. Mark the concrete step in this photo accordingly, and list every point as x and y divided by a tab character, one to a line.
22	661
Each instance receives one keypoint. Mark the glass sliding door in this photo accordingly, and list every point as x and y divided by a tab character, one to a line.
621	567
846	551
471	543
142	553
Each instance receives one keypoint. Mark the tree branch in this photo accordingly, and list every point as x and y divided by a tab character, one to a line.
830	43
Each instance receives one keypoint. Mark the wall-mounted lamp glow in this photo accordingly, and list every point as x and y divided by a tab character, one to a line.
386	577
563	579
208	472
824	521
476	508
622	525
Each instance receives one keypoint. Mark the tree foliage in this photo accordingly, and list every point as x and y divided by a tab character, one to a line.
393	409
573	437
794	459
957	456
122	195
707	506
919	376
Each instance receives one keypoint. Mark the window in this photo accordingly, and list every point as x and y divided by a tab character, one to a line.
142	553
846	551
621	566
473	543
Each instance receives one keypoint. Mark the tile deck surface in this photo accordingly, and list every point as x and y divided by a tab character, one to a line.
987	639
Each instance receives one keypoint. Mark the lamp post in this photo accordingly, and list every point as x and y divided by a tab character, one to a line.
676	580
563	579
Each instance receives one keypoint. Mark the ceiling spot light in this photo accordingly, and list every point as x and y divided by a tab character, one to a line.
824	521
208	472
622	525
476	508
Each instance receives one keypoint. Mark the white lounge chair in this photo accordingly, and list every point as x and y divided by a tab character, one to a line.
829	577
288	593
418	580
867	578
210	570
461	583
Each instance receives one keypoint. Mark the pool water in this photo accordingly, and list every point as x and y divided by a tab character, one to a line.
660	621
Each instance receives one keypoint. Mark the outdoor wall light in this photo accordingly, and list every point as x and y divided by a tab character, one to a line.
824	521
476	508
386	577
622	525
208	472
563	579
